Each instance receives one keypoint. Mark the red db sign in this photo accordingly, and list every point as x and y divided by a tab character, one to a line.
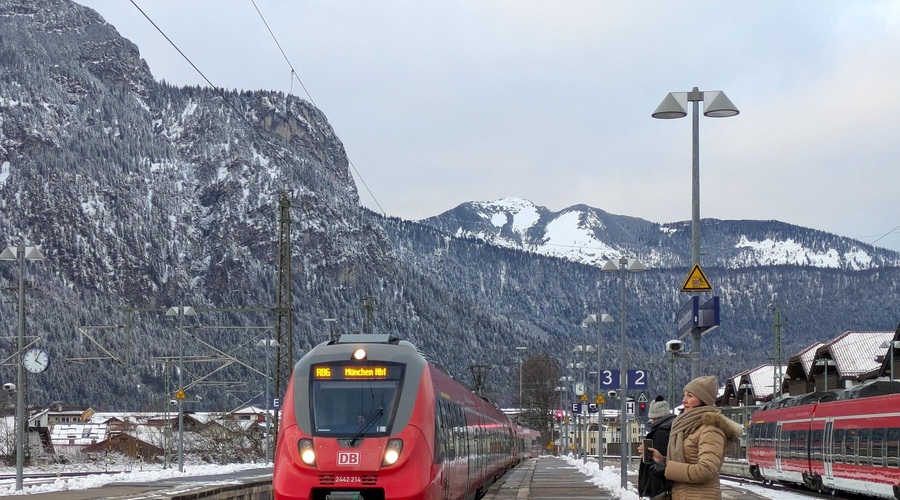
348	458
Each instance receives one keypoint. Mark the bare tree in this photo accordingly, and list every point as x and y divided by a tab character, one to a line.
539	380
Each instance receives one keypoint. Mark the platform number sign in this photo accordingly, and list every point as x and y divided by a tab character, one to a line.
638	379
609	379
576	408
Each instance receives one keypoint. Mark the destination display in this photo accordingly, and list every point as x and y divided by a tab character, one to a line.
356	372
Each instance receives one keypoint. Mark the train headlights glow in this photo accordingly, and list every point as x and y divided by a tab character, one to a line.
307	453
359	354
392	452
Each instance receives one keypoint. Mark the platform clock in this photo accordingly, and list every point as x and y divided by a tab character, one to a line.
36	360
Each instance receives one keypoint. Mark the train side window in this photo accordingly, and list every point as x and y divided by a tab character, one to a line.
837	446
770	434
802	446
850	438
864	452
878	447
892	447
816	445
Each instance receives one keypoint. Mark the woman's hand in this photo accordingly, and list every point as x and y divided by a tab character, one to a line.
657	456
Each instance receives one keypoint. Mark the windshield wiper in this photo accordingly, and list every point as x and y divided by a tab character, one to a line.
369	422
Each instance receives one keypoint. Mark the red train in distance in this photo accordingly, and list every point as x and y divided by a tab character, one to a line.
847	445
367	417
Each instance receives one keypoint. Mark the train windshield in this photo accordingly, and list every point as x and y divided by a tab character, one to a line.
351	407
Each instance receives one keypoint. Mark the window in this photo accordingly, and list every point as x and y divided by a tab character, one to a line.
864	453
878	447
891	448
850	438
837	446
816	445
338	404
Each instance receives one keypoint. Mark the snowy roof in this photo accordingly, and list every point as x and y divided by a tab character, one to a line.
77	434
762	379
807	355
855	353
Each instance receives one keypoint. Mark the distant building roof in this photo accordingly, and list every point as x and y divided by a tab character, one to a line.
855	353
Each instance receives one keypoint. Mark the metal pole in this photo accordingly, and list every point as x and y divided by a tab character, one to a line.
20	374
623	376
671	388
599	406
268	452
696	339
180	388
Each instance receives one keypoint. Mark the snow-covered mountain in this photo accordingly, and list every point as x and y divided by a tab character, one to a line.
143	195
591	236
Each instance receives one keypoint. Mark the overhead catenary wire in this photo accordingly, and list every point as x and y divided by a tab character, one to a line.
313	102
221	93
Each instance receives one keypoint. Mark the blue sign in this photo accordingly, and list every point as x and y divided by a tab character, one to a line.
709	315
276	403
576	408
638	379
609	379
592	408
688	317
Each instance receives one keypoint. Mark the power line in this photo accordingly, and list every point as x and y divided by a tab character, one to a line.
293	74
214	87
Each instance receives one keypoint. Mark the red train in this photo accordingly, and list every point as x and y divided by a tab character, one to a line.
850	445
367	417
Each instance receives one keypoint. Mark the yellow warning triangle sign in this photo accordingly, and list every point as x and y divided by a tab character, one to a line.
696	281
179	394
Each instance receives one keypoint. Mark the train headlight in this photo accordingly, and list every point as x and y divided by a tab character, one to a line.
359	354
392	452
307	453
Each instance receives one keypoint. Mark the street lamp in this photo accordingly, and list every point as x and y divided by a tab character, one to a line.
623	265
20	253
717	105
181	312
267	343
599	319
565	383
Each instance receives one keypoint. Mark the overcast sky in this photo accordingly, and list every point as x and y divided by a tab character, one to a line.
440	103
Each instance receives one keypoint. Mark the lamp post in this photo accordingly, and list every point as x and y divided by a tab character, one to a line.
181	312
267	343
599	319
565	382
520	349
20	253
623	265
717	105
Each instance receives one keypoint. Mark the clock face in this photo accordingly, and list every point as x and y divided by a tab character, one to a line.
36	360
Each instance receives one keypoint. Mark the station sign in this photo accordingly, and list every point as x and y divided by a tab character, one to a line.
576	408
635	379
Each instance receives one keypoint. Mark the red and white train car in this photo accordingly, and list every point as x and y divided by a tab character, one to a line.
848	445
368	418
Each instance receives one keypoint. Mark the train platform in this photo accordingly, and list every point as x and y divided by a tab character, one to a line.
560	478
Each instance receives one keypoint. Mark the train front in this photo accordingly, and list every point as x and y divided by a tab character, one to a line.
358	423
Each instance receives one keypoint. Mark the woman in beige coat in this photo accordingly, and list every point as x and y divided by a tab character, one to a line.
697	443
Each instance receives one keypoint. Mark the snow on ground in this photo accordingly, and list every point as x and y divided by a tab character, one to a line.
609	479
137	473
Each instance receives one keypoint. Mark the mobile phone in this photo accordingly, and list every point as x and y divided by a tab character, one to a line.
648	455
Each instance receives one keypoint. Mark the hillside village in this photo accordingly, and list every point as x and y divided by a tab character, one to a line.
69	434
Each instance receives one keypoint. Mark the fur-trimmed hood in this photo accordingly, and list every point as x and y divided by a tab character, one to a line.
732	429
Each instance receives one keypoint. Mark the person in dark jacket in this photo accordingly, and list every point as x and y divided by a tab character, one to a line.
650	482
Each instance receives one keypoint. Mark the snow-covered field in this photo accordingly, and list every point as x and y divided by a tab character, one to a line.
134	473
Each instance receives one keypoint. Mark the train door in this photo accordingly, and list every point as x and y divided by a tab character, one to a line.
779	447
828	447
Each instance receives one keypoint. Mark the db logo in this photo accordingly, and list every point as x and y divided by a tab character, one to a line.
348	458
